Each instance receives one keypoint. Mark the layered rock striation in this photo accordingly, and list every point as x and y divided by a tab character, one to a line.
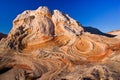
45	45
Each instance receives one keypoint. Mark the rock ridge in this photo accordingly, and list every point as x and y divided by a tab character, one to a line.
41	25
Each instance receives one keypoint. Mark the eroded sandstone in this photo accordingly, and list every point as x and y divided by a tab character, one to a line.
50	45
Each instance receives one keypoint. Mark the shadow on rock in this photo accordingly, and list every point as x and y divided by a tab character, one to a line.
2	35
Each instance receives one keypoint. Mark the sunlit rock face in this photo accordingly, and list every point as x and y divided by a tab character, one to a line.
50	45
41	25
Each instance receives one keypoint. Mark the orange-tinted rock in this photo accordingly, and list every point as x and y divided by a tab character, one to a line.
45	45
41	25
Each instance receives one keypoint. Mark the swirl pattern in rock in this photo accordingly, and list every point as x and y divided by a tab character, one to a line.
45	45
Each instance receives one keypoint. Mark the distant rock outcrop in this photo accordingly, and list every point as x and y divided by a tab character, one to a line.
97	31
116	32
45	45
2	35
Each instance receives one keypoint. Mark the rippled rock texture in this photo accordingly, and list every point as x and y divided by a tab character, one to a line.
50	45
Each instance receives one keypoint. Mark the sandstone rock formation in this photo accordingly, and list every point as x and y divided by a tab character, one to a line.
45	45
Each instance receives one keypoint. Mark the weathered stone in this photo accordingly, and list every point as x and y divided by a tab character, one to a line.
50	45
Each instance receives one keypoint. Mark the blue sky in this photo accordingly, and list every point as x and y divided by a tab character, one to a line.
101	14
